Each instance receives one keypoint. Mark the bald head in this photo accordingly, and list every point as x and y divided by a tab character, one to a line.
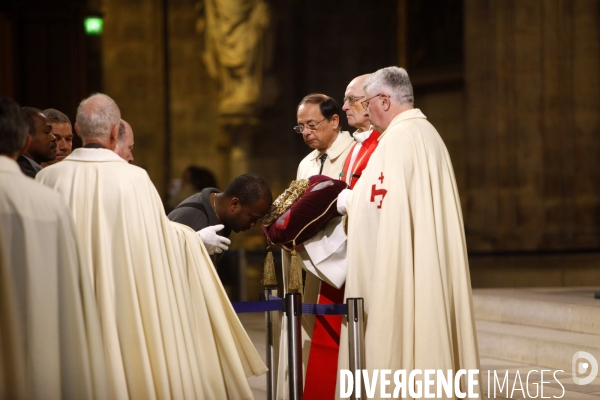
124	146
359	81
357	116
98	119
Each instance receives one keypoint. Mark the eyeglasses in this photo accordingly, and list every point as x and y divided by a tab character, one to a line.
365	103
311	127
352	99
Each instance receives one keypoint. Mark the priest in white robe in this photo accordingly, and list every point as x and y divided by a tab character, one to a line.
407	255
169	330
318	117
50	338
320	126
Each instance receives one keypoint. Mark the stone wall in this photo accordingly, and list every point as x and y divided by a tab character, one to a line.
196	137
519	115
532	71
133	68
305	51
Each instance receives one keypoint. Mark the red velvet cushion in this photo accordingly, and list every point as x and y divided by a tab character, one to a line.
317	206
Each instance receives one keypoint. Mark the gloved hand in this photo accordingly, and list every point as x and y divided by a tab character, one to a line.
213	242
341	201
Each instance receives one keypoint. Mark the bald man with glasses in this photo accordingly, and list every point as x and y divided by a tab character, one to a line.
365	136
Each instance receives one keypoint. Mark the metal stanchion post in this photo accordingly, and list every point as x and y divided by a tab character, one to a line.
269	325
356	341
293	310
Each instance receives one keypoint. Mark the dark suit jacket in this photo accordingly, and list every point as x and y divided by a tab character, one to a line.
26	167
189	213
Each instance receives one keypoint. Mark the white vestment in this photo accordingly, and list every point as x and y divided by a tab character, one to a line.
407	255
50	337
323	262
169	330
324	254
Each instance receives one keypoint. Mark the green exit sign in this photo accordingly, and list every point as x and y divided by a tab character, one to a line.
93	25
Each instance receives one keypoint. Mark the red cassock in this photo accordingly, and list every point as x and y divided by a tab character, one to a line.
322	361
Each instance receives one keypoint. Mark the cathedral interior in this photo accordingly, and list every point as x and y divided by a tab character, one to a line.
512	87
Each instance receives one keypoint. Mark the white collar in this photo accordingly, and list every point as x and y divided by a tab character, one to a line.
83	154
337	147
360	137
339	135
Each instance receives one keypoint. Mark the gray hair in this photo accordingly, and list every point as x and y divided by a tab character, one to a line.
121	134
96	116
394	82
54	115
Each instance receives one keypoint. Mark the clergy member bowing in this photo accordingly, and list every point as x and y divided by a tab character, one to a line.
245	200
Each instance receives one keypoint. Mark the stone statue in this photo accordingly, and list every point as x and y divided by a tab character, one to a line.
234	53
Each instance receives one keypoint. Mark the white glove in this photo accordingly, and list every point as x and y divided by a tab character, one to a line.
341	201
213	242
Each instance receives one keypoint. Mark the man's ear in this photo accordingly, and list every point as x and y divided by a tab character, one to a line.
77	130
335	121
114	133
235	204
386	102
26	145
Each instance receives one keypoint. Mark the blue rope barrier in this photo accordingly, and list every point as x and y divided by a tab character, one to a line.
257	306
324	309
276	304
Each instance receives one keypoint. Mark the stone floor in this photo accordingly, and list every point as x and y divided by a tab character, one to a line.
517	386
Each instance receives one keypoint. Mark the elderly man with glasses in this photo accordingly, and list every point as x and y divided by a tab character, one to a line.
407	256
365	136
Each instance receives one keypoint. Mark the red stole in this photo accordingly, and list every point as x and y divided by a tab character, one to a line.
321	371
367	148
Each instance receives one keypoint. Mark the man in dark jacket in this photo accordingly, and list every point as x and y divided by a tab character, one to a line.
43	143
245	200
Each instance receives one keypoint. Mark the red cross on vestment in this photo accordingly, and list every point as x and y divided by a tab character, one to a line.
378	192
